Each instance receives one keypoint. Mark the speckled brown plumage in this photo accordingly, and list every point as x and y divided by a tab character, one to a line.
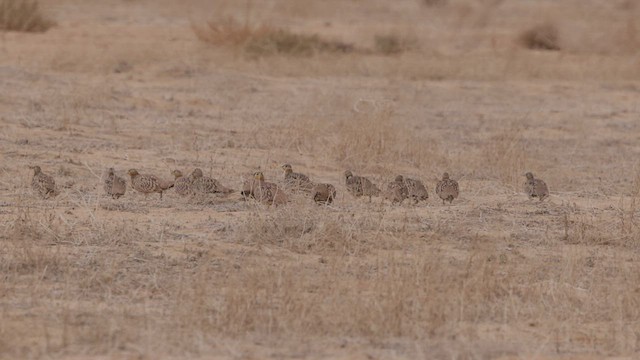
323	193
296	181
42	183
148	184
205	185
262	191
360	186
535	188
447	189
396	191
182	184
114	185
417	190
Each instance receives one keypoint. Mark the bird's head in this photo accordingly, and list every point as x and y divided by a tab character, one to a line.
287	168
36	169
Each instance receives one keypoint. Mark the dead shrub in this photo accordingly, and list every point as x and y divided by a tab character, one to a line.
263	40
541	37
434	3
392	44
227	32
284	42
23	15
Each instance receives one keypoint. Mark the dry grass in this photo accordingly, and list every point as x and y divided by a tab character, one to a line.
431	3
375	135
492	275
541	37
392	44
23	15
263	40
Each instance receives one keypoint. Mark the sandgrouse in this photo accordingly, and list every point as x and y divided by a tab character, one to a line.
360	186
447	189
206	185
148	184
397	190
114	185
181	184
417	190
323	193
262	191
296	181
535	188
42	183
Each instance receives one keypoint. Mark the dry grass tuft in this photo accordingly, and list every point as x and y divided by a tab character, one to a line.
308	229
434	3
23	15
262	40
392	44
541	37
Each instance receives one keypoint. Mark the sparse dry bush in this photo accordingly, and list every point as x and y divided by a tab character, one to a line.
433	3
23	15
392	44
257	41
541	37
286	43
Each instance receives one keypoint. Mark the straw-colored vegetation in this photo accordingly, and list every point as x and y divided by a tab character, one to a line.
422	88
23	15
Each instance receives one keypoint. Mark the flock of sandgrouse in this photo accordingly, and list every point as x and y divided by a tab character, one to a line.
400	189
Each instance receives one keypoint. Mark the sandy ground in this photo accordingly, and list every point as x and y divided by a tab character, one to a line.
127	84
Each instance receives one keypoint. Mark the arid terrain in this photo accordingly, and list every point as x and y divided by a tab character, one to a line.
381	87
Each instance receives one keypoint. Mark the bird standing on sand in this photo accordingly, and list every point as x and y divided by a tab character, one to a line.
42	183
148	184
535	188
447	189
114	185
360	186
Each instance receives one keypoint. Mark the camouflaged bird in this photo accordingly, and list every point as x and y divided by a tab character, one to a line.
447	189
114	185
42	183
535	188
360	186
262	191
205	185
296	181
397	190
323	193
181	184
417	190
148	184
